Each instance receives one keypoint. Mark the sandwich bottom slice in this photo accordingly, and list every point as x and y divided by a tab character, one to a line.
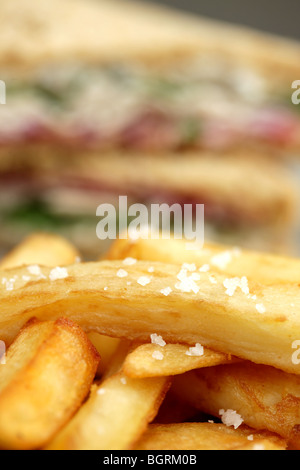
248	201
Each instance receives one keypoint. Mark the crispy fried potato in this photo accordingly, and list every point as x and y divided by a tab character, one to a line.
172	360
117	359
41	248
48	373
264	397
106	347
257	322
115	415
175	410
262	444
263	267
207	436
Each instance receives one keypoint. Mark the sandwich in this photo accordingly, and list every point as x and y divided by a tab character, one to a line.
107	98
247	203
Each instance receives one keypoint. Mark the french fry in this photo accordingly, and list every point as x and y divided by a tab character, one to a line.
249	320
48	372
264	397
172	359
207	436
263	267
262	444
106	347
115	415
41	248
115	364
175	410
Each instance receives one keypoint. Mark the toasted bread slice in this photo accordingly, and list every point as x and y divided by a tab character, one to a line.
49	32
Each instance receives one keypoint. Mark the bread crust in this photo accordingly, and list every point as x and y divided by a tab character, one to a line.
32	35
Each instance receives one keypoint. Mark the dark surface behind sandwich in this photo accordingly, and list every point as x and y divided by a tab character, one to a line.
273	16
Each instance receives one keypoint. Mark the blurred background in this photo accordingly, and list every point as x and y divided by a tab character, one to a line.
121	100
273	16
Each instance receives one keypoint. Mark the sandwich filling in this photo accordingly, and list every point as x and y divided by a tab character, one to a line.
194	104
197	104
62	195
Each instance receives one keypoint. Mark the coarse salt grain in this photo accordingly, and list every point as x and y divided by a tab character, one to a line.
10	284
182	275
158	355
187	285
231	286
166	291
34	269
244	285
212	279
233	283
151	269
157	339
58	273
189	267
204	268
101	391
123	380
129	261
197	350
231	418
187	282
122	273
260	308
221	260
144	280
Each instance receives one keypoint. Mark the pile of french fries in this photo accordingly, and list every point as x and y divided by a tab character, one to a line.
153	347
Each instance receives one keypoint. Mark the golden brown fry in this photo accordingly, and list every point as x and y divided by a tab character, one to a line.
175	410
106	347
207	436
264	397
172	359
263	267
260	325
41	248
117	359
262	444
48	373
115	415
